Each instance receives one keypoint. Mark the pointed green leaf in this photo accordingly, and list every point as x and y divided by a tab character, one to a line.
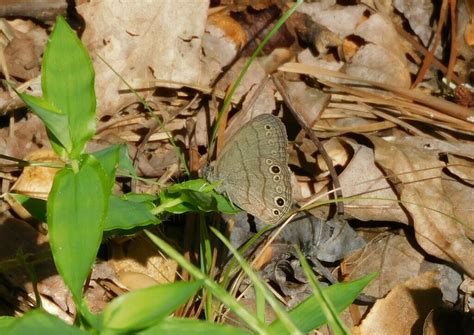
195	195
39	322
55	121
109	159
125	214
76	210
68	83
141	308
309	314
192	327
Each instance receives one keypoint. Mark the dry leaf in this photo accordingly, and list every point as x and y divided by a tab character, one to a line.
391	256
138	257
309	102
144	42
374	62
23	52
462	168
390	40
418	14
461	196
362	178
404	309
341	20
422	194
36	181
222	40
396	260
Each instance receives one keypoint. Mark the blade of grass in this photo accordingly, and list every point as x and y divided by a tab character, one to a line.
337	326
216	289
259	285
206	262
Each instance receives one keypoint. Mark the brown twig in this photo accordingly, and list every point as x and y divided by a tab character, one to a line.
453	51
430	55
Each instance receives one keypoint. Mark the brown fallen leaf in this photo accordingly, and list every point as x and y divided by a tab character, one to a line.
373	62
363	178
392	255
462	197
138	258
144	42
23	52
404	309
422	194
36	181
462	168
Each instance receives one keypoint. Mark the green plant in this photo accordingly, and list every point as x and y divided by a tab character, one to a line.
80	208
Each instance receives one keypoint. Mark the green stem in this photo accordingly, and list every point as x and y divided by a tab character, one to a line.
162	207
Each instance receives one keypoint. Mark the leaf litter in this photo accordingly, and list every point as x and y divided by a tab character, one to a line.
367	78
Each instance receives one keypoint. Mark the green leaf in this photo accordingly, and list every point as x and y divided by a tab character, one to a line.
140	197
337	325
109	159
125	163
309	314
55	121
217	290
5	322
76	211
36	207
126	214
195	195
39	322
192	327
142	308
68	83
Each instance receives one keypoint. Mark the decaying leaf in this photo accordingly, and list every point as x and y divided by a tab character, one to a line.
137	264
404	309
421	192
363	178
36	181
396	259
144	42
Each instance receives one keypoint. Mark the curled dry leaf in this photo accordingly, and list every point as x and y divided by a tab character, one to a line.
36	181
421	192
137	263
308	101
400	311
462	168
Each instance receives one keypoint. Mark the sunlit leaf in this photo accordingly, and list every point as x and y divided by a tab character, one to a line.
39	322
76	211
141	308
68	83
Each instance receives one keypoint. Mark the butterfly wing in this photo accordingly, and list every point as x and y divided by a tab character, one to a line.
254	168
